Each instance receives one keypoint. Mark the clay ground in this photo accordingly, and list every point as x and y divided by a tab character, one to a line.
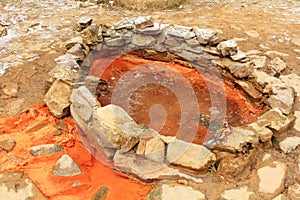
40	33
37	31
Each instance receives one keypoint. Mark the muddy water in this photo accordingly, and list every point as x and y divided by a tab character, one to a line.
171	98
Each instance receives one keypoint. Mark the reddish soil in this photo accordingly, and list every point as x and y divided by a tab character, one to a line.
37	126
148	90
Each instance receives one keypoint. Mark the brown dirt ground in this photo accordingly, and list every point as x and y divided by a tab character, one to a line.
277	23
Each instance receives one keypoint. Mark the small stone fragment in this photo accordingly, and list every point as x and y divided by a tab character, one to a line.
241	70
211	50
92	34
58	98
266	157
74	41
190	155
45	150
83	23
167	139
155	29
66	166
292	80
181	32
276	66
143	22
272	178
153	148
205	35
249	88
274	119
66	75
179	192
289	144
227	48
7	145
115	42
252	33
264	133
126	23
266	81
67	61
238	56
259	62
282	98
3	31
77	184
100	194
240	137
11	89
77	50
240	193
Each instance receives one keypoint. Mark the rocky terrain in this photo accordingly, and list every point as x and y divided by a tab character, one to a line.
44	155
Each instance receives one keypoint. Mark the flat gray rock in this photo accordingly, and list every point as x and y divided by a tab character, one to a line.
146	169
289	144
66	166
45	150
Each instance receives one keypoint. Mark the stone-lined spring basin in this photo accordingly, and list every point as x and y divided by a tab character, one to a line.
153	103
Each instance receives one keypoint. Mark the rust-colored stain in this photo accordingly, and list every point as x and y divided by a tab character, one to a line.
158	87
37	126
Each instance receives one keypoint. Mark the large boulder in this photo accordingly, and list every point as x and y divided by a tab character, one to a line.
118	128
